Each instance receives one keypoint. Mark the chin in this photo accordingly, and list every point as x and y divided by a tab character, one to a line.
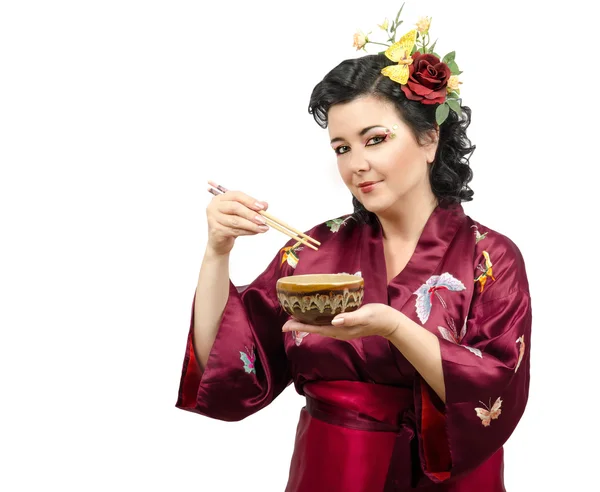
376	205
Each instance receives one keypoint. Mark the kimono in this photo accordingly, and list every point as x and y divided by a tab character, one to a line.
371	423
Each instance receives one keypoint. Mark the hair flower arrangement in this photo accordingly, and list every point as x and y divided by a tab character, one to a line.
420	72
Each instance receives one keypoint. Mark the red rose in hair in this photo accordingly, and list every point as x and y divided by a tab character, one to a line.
427	80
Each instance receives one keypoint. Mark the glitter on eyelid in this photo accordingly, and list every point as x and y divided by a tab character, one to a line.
392	134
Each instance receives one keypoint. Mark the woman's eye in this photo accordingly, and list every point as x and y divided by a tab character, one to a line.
376	139
342	149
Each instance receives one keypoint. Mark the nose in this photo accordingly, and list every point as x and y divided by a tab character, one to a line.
358	162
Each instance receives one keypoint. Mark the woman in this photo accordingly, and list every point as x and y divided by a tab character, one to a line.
423	384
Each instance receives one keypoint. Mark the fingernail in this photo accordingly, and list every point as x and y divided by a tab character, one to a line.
260	206
260	219
263	228
337	321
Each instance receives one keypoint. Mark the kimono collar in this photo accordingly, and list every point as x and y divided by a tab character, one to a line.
439	231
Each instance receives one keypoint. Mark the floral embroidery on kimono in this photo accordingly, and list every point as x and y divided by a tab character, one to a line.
335	224
478	235
290	255
521	342
452	336
425	293
248	359
488	414
486	271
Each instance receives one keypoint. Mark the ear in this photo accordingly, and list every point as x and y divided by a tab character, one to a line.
431	144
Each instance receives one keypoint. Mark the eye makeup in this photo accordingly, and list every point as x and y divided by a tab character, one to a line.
392	133
385	135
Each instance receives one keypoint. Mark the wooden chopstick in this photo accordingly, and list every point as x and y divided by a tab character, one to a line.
273	222
275	225
282	223
269	216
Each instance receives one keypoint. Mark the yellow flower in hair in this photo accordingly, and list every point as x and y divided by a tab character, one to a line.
423	24
400	52
453	84
385	25
360	39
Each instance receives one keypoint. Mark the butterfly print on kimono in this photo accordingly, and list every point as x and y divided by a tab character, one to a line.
478	235
290	255
521	342
488	414
298	336
335	224
452	336
425	293
486	271
248	359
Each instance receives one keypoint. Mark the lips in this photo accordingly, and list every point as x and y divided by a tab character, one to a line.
367	183
367	186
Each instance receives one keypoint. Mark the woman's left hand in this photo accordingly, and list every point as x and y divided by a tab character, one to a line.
368	320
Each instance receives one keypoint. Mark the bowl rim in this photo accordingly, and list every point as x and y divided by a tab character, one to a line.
349	280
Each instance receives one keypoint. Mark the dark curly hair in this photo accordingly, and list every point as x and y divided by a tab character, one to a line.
450	172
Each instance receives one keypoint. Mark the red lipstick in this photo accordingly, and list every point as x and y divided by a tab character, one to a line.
368	186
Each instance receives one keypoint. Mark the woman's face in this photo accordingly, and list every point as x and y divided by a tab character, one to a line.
380	170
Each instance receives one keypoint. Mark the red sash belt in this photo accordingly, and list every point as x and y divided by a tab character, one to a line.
350	419
375	408
359	405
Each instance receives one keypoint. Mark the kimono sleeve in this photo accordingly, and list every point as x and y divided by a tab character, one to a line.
486	376
247	366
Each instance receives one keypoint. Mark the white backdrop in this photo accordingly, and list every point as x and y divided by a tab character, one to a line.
113	114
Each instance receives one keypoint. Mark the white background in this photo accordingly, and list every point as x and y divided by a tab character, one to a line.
113	114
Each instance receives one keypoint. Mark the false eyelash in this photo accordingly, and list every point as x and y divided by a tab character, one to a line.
386	136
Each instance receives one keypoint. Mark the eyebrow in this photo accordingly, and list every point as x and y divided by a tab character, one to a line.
361	133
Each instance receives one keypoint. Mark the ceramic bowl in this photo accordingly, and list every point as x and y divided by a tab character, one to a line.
316	299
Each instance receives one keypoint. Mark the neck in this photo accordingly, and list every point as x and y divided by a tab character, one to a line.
406	219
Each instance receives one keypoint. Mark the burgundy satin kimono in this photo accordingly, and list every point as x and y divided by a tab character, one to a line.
371	423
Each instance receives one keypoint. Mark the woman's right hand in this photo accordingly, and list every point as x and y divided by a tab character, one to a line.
231	215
